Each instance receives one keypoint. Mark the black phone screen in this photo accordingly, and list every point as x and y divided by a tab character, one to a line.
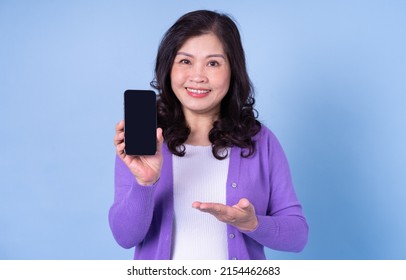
140	122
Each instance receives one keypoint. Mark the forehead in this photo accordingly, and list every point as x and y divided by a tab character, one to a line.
203	44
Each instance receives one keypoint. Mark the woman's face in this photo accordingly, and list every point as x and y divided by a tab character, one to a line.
200	75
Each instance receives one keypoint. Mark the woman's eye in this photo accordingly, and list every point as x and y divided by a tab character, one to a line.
214	63
184	61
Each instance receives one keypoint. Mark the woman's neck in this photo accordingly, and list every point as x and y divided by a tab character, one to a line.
200	126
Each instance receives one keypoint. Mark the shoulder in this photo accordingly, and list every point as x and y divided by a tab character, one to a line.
267	144
265	135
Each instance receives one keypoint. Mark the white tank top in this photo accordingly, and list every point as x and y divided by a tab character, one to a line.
198	176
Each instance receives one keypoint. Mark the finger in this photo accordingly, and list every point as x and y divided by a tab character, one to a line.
118	138
159	135
120	126
160	140
120	149
213	207
196	204
244	203
245	206
220	211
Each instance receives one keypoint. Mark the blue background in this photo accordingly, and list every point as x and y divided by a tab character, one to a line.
330	79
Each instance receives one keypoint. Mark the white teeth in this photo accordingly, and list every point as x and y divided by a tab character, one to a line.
198	91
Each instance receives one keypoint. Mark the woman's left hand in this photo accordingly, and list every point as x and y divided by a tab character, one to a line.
241	215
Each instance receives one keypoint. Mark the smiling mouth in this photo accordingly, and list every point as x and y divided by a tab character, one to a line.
198	91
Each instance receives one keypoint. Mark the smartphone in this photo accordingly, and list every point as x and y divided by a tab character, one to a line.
140	122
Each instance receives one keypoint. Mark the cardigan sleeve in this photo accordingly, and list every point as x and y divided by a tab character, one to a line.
283	233
131	214
284	226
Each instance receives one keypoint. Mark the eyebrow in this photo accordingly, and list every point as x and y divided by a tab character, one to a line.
208	56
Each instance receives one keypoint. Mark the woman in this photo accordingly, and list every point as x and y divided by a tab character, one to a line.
212	156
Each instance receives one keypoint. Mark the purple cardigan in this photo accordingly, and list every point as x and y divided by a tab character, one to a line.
143	216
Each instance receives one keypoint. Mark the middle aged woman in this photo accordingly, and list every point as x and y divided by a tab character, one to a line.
213	156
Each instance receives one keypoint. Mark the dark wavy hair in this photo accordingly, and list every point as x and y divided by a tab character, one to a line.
237	123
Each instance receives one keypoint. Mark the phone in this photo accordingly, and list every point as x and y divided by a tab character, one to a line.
140	122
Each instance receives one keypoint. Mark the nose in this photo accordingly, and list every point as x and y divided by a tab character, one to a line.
198	74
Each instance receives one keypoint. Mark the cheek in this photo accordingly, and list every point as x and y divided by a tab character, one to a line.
223	81
177	77
223	77
177	83
173	76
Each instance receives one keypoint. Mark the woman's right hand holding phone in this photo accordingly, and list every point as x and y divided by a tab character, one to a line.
146	169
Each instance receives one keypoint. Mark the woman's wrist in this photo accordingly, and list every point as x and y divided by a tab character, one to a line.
147	183
252	226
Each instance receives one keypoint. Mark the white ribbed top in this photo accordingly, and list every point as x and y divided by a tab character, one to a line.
198	176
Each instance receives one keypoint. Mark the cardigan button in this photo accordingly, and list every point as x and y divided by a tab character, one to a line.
234	184
231	235
234	258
